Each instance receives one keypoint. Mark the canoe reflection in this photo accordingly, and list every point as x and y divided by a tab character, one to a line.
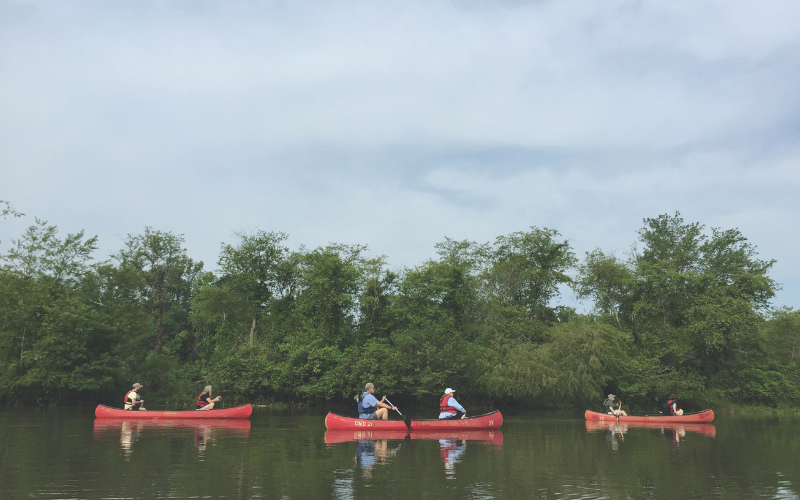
493	437
673	432
202	430
374	448
681	429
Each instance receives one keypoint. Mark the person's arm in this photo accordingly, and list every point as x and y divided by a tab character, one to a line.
381	404
452	402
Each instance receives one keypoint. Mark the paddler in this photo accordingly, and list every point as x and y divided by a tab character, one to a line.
613	408
370	408
133	400
671	406
449	407
204	401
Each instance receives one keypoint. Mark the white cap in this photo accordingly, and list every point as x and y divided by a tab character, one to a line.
449	390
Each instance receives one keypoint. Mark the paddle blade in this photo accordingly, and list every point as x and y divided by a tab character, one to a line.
407	422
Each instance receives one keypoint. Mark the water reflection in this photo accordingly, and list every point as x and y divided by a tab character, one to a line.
372	453
493	437
374	446
673	432
451	451
203	431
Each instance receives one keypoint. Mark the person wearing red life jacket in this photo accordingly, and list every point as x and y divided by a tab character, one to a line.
671	406
133	400
204	401
449	407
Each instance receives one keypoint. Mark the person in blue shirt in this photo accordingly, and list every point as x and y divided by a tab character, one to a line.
449	407
370	408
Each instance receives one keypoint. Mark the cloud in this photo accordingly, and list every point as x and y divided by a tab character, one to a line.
397	125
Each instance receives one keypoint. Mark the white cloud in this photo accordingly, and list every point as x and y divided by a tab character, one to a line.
397	125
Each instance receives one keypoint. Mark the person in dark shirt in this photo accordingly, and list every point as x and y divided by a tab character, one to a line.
671	406
613	408
204	401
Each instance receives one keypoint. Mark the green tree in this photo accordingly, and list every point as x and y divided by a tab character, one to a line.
528	268
164	275
53	341
604	279
252	269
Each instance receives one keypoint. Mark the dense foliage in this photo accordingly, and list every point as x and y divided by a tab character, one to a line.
686	312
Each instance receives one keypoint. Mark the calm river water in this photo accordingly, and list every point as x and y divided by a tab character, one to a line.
283	455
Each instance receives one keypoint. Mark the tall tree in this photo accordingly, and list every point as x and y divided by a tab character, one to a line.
252	269
528	268
604	279
164	273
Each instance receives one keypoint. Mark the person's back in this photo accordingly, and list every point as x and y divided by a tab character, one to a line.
671	406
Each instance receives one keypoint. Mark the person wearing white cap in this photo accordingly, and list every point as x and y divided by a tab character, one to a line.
133	400
449	407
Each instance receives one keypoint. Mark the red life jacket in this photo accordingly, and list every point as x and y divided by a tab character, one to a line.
670	404
200	402
128	400
445	408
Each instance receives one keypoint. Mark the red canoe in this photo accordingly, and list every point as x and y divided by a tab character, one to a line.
704	416
491	420
236	412
482	436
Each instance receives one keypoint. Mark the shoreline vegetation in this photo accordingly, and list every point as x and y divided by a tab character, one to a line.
686	311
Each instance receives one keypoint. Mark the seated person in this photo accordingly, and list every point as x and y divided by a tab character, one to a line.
133	400
370	408
204	401
449	407
612	407
671	406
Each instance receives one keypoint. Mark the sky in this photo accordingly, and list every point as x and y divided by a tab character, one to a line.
397	124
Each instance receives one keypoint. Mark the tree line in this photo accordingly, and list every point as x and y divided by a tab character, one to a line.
687	310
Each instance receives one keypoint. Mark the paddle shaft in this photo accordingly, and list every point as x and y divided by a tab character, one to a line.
390	404
405	420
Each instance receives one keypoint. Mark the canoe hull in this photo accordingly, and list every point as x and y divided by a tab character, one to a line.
236	412
699	417
491	420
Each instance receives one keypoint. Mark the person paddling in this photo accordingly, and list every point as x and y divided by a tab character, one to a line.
449	407
671	406
204	401
133	400
370	408
613	408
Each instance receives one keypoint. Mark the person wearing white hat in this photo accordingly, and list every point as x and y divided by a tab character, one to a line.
449	407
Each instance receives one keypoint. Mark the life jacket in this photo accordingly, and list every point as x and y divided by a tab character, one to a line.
667	409
369	410
200	402
445	408
128	400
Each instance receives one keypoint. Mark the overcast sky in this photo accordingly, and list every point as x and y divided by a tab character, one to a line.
395	124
